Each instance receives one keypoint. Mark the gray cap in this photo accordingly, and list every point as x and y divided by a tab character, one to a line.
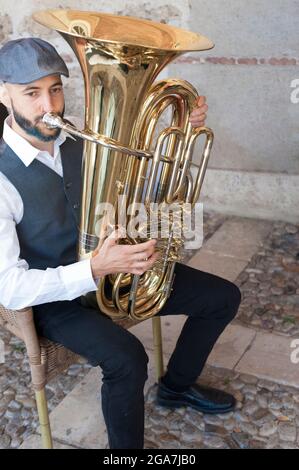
25	60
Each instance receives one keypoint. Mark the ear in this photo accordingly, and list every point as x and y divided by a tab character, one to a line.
4	96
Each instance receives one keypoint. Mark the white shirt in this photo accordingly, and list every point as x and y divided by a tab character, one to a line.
20	286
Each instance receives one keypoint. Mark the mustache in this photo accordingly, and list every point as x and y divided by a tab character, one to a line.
40	118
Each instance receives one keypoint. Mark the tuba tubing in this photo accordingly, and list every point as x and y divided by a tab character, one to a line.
120	58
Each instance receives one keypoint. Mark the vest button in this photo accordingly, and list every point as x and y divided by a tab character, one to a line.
76	206
68	185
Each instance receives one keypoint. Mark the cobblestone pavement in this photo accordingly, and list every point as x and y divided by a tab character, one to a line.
270	283
267	416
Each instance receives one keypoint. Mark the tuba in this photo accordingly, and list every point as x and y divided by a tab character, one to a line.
125	156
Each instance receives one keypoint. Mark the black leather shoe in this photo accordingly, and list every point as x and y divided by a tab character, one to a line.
205	399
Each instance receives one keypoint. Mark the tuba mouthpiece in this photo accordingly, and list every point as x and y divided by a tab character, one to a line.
52	120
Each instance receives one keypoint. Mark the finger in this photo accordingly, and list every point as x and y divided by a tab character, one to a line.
200	118
141	252
145	256
142	256
146	261
114	236
155	256
202	109
141	269
139	272
137	252
144	265
199	124
145	246
200	100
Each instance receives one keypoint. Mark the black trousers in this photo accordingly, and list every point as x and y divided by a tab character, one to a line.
209	302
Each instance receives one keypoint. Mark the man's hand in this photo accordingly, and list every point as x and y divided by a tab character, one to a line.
198	115
112	258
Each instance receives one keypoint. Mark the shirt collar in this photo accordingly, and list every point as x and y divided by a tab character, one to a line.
22	148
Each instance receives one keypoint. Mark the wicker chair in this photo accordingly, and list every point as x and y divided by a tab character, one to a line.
48	359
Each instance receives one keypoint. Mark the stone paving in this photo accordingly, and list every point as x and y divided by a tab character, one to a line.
268	413
267	416
270	283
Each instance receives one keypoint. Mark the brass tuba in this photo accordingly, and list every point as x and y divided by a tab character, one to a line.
120	58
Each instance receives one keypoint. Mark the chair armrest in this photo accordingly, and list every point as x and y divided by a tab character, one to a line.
25	322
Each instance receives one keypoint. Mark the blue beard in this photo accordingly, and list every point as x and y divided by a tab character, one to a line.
33	130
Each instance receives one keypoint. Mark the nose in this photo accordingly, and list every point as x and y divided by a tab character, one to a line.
47	104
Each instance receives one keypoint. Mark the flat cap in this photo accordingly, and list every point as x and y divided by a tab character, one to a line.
25	60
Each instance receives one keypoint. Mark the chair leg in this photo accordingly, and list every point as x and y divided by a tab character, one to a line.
42	409
158	350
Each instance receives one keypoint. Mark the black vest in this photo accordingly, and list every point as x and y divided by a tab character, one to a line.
48	231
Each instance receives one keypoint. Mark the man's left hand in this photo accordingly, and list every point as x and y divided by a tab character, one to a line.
198	115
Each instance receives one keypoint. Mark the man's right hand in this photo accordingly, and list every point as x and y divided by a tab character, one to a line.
110	257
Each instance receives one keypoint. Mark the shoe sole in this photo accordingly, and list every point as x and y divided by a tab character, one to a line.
178	404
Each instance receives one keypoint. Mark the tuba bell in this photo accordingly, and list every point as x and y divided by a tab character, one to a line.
125	156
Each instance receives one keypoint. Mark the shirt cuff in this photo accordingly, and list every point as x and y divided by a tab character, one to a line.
78	278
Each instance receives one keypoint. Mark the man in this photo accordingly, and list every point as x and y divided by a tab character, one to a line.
39	208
